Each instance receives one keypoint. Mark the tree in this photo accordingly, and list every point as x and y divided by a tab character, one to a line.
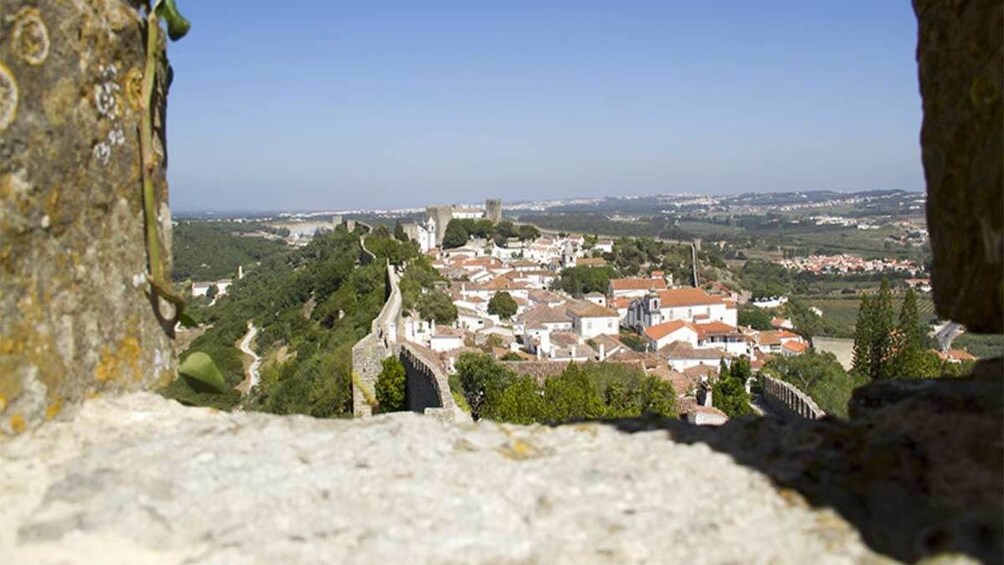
456	235
391	386
881	330
658	398
756	318
503	305
741	369
483	381
437	306
819	375
399	232
528	233
212	291
729	395
911	359
863	337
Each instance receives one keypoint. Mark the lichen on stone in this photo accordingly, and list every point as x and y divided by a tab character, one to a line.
31	37
8	97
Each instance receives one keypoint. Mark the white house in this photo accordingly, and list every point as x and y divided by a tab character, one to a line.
590	320
666	333
446	339
681	356
687	304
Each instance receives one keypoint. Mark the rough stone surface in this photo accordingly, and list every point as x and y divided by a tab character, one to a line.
142	479
960	54
919	467
74	317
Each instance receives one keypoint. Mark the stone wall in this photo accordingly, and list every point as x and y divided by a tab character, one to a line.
75	317
788	400
960	55
423	381
368	353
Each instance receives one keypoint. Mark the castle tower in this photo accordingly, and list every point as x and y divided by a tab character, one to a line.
493	210
442	215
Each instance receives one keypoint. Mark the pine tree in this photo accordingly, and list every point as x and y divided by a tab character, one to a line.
863	337
910	360
909	330
882	330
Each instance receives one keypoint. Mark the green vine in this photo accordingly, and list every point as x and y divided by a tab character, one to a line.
177	27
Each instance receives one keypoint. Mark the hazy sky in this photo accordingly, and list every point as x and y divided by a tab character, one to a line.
368	103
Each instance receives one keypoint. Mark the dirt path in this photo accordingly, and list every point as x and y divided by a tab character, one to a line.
251	373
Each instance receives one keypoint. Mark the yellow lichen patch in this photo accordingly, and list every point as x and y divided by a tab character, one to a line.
8	97
3	402
31	37
134	88
519	450
17	423
54	409
121	364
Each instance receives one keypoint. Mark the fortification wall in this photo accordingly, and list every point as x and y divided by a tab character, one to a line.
786	399
75	317
423	381
368	353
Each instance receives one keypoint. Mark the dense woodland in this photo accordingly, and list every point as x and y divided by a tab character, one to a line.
210	251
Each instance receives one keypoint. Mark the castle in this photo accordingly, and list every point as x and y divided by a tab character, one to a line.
430	233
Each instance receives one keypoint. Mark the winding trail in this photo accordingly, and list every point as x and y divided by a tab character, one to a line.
252	371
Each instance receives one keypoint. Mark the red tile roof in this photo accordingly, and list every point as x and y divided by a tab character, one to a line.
677	297
637	284
662	330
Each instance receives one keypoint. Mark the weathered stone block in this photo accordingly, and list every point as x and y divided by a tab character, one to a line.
959	53
75	319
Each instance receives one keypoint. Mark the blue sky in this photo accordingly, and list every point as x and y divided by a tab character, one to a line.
374	104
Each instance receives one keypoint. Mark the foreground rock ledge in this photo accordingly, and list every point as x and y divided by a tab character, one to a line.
141	479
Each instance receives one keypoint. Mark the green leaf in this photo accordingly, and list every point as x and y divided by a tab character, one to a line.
201	373
177	25
187	321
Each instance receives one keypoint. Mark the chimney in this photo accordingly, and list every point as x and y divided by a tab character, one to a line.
603	352
573	351
706	401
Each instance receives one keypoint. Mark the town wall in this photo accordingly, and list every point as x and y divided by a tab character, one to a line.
784	398
76	316
424	388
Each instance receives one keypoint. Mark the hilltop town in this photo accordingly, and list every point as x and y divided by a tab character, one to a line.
537	300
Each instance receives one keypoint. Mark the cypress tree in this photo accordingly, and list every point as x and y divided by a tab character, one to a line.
882	329
908	359
863	337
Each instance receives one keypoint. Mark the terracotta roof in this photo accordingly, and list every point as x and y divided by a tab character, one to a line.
546	315
716	328
591	262
701	370
795	346
587	309
774	338
637	284
682	383
620	302
565	339
662	330
677	297
683	350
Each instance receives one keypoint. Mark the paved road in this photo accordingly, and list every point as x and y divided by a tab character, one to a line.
251	378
